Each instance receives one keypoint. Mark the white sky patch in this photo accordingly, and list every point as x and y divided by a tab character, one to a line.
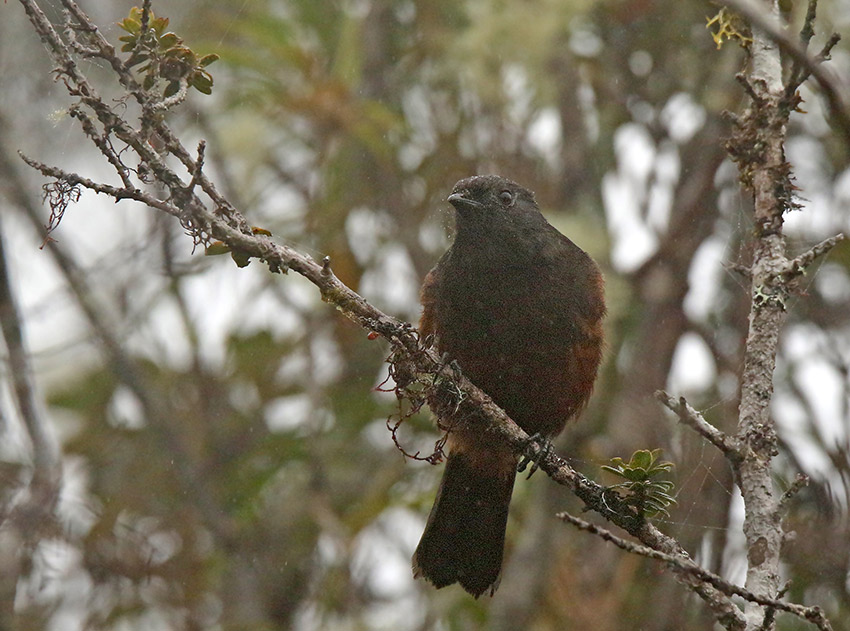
325	356
638	197
683	117
693	368
584	42
825	388
55	331
624	192
734	556
365	229
287	413
79	510
393	285
382	560
842	187
666	174
804	349
519	92
217	300
633	242
793	425
125	409
384	550
544	135
640	63
14	439
704	278
587	103
823	202
832	282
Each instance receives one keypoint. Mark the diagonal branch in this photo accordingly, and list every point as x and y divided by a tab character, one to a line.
696	421
814	615
800	264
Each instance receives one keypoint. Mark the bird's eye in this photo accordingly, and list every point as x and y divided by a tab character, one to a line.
506	197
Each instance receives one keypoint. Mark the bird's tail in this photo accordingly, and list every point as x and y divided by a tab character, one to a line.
464	538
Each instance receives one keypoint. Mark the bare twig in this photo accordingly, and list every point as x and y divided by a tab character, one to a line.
813	614
801	480
800	264
770	612
115	193
696	421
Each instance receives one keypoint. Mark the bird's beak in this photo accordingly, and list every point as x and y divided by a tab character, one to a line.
462	203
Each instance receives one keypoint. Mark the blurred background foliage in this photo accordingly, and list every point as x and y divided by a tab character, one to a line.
227	462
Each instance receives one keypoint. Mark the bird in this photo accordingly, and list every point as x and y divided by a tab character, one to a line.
519	308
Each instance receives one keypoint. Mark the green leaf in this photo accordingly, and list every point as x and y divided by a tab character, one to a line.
136	59
240	258
650	497
131	25
158	24
206	60
202	82
641	459
168	40
634	475
216	248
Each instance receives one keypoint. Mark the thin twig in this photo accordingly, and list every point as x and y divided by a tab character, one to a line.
801	480
112	191
814	615
696	421
798	265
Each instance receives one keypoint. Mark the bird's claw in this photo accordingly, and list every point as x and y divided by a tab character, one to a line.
544	450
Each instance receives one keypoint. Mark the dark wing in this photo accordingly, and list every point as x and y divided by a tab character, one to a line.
428	297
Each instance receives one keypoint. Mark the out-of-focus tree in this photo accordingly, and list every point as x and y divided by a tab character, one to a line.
226	462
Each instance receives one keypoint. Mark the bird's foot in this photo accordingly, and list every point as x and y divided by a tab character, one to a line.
447	361
544	450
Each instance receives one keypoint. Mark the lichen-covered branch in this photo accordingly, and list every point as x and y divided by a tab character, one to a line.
758	148
765	170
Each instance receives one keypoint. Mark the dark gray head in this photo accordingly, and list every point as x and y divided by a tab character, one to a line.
498	222
490	196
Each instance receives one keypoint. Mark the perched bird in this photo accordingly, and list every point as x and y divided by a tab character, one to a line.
519	307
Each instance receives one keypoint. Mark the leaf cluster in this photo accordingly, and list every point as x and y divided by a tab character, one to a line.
164	55
728	26
641	489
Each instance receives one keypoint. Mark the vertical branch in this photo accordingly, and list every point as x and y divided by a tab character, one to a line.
44	445
37	504
758	147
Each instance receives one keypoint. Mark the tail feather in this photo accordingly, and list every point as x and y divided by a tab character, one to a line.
464	538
